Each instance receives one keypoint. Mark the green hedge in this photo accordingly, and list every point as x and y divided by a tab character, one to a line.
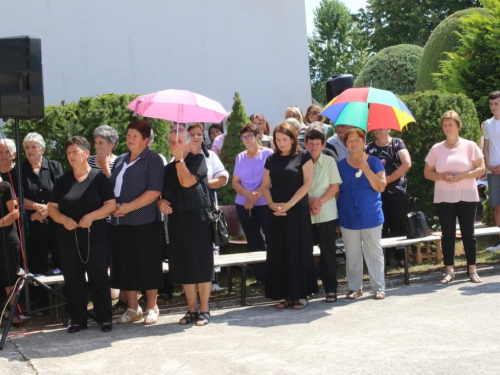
427	108
393	68
443	39
81	118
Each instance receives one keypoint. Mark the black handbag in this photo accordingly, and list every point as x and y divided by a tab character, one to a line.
417	221
217	219
219	227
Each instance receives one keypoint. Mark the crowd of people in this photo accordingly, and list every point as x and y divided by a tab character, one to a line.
295	188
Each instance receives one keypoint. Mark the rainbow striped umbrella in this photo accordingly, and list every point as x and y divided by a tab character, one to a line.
368	108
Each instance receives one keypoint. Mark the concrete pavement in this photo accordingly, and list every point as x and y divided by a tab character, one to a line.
419	329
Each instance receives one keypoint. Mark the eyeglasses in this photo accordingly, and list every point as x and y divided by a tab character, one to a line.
196	134
314	113
248	137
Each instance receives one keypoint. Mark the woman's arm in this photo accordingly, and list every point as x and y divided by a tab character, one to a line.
477	172
60	218
405	158
431	174
13	214
217	182
377	181
148	197
252	196
265	189
108	207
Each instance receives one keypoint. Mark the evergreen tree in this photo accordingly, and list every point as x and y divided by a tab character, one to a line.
231	148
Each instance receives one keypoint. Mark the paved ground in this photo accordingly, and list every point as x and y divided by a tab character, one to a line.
420	329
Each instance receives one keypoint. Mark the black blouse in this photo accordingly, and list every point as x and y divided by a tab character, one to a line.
77	199
8	234
190	203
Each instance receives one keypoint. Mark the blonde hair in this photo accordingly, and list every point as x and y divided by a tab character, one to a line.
451	114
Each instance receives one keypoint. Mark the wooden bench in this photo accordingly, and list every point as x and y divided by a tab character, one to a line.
242	260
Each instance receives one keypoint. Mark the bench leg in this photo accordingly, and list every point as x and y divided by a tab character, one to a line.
229	280
407	274
439	252
419	254
243	284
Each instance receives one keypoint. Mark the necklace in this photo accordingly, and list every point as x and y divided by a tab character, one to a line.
88	248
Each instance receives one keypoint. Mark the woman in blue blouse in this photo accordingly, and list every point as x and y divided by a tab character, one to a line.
360	215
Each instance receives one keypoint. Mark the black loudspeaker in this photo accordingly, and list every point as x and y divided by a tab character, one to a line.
21	82
337	84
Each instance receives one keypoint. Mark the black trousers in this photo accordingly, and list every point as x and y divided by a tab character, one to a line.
253	224
394	208
466	214
98	279
323	235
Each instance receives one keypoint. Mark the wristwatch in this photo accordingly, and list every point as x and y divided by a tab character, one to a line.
181	161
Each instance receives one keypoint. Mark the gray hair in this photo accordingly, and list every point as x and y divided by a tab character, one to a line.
10	144
318	125
294	122
34	137
108	133
182	131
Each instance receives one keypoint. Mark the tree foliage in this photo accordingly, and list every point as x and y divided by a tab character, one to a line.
335	47
474	67
443	39
231	148
390	22
394	69
427	108
81	118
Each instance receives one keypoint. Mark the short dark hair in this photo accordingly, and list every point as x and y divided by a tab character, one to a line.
249	128
314	133
142	127
79	141
288	130
493	95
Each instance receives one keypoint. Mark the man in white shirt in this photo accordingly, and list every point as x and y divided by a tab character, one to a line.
491	152
337	141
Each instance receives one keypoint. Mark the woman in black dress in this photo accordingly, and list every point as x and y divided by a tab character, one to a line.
288	176
38	179
9	242
186	201
80	203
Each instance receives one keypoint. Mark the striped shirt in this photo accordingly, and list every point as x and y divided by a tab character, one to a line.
93	164
146	174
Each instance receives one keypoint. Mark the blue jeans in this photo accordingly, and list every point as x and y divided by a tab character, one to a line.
254	223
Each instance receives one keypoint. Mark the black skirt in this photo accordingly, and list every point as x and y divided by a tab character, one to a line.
136	259
190	252
9	263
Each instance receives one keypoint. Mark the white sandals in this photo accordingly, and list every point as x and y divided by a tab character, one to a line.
124	319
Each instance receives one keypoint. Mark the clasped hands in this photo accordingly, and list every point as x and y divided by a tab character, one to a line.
315	205
451	177
41	213
252	198
85	222
494	169
280	209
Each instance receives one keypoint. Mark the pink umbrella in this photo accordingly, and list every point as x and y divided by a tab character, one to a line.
181	106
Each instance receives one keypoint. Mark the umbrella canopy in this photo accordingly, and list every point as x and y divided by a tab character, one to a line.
368	108
181	106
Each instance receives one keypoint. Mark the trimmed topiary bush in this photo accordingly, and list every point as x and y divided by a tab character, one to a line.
231	148
393	68
443	39
427	108
81	118
472	68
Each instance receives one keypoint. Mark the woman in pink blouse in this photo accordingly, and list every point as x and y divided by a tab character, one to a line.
454	165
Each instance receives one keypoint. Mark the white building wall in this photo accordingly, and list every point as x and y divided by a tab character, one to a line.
212	47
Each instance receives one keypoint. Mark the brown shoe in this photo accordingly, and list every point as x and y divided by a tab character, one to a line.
353	294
